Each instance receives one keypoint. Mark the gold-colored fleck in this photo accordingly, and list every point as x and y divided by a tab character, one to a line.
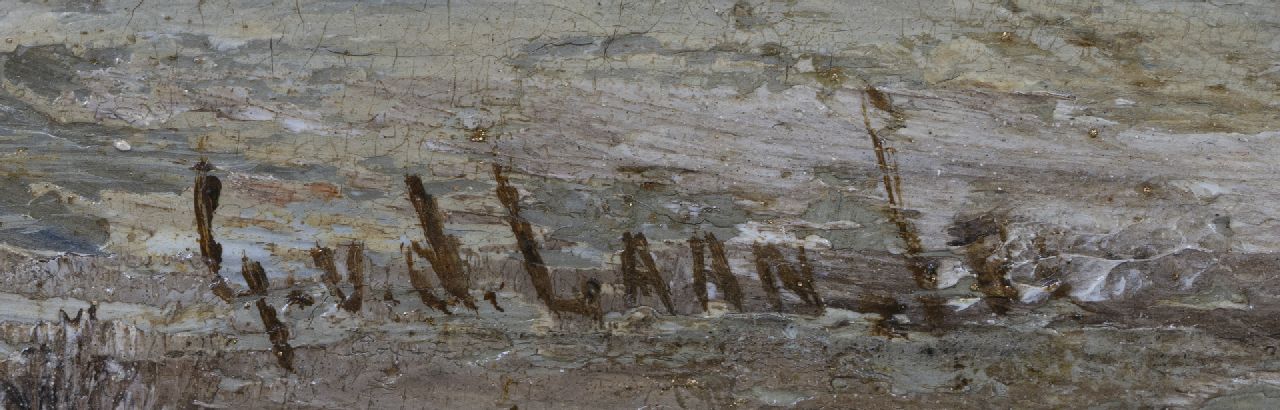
480	134
831	76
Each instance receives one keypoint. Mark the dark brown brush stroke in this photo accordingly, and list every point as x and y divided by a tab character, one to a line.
298	298
798	280
891	155
492	297
389	297
539	275
879	100
278	333
221	288
254	276
887	307
420	283
630	279
804	283
888	163
723	276
443	252
533	264
646	278
324	260
992	273
588	304
69	319
207	189
935	312
881	159
983	238
765	272
355	275
725	281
